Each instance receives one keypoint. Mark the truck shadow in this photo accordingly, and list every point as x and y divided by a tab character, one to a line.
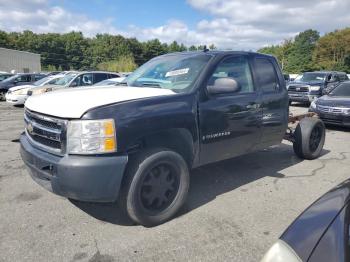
213	180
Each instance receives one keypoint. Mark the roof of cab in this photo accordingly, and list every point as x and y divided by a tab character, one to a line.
216	52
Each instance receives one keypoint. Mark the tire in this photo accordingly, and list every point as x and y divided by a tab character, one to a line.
309	138
2	95
155	186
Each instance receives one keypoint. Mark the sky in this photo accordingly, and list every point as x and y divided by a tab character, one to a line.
228	24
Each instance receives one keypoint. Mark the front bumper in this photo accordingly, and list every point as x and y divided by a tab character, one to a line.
302	97
335	119
16	99
85	178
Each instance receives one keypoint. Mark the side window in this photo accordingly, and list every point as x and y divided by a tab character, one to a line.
335	78
23	78
82	80
113	75
237	68
343	77
100	77
266	75
38	77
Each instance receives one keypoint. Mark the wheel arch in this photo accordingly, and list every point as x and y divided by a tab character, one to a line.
179	140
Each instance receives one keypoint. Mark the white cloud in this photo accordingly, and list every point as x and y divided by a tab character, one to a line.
234	24
38	16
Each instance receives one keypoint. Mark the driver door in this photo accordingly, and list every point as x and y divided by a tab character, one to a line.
230	122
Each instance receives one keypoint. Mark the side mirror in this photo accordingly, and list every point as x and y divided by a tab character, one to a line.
224	85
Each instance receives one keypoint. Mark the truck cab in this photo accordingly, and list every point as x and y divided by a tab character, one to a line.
312	85
136	142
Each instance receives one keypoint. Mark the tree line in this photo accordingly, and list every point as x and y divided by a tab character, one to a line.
73	51
308	51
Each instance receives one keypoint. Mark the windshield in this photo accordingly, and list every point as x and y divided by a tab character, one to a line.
174	72
310	77
2	77
42	81
341	90
10	78
65	80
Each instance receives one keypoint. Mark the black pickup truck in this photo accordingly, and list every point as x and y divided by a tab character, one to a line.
136	142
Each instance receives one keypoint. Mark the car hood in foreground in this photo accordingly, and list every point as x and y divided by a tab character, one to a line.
334	101
74	102
305	232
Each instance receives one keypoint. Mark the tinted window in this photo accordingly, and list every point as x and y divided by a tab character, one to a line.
24	78
100	77
266	75
341	90
113	75
343	77
237	68
38	77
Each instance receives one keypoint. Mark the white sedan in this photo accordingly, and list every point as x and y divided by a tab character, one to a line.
17	95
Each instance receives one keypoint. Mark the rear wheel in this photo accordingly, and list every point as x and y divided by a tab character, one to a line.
155	186
309	138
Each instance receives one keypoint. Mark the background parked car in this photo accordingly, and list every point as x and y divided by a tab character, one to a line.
4	76
334	108
17	80
310	85
17	95
320	233
75	80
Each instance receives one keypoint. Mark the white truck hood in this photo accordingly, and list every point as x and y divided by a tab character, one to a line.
74	102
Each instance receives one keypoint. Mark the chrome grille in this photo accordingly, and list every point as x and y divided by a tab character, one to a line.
329	109
298	88
46	132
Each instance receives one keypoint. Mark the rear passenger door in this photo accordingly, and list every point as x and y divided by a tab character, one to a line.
230	122
275	108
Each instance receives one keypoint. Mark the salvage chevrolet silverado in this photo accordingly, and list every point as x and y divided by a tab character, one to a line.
136	142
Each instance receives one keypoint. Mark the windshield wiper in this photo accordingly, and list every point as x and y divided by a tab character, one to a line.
121	84
151	84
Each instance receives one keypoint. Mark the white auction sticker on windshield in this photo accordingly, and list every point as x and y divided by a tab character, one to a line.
177	72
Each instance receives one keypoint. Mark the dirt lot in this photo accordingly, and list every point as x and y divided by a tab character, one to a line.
236	208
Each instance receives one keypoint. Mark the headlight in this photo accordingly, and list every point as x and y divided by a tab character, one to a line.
281	252
346	111
20	92
314	88
41	91
313	105
91	136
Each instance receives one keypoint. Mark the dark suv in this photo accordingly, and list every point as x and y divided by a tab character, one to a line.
17	80
310	85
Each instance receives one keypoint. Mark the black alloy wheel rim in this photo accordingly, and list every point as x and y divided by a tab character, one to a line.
315	138
159	187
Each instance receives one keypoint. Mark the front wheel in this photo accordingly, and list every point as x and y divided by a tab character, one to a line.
309	138
155	186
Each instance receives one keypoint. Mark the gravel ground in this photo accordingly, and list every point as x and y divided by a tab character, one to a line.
235	211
